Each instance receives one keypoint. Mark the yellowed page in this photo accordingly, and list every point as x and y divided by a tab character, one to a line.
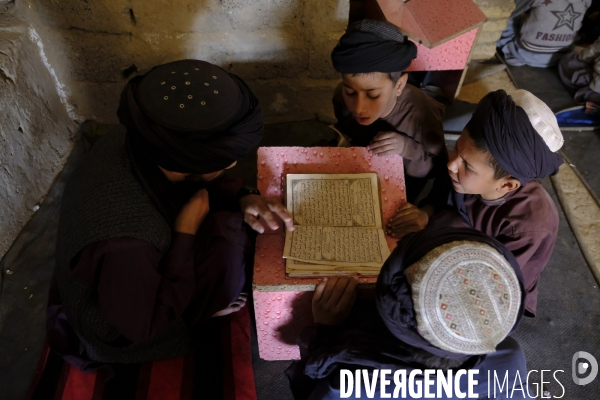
334	199
337	245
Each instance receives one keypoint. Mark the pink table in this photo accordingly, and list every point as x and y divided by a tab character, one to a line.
282	305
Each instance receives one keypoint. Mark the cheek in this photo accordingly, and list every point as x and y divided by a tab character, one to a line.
350	102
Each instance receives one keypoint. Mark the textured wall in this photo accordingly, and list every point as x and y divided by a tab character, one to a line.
280	47
36	133
497	13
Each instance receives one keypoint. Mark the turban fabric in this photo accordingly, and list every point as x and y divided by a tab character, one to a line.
512	140
190	116
372	46
187	116
394	297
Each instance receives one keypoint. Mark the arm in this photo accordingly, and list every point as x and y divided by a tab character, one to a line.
138	293
532	251
511	29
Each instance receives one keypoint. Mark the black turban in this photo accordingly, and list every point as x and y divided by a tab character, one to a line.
394	296
511	139
373	46
190	116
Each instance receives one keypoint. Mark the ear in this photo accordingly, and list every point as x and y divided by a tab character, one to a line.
509	185
401	84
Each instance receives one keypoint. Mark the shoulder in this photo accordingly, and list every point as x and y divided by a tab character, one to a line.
419	104
531	209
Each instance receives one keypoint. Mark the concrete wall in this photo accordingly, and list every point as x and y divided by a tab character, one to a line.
36	132
280	47
497	13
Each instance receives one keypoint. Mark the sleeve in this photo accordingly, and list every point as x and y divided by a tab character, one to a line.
310	339
511	29
532	251
222	193
424	145
139	293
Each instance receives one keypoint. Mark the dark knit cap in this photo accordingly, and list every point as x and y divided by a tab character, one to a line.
190	116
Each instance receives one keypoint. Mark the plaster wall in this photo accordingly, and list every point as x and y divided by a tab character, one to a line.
36	132
279	47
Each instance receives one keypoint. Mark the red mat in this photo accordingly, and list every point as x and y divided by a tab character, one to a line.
221	368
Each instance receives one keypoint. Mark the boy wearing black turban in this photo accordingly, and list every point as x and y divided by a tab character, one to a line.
509	142
436	307
376	108
152	237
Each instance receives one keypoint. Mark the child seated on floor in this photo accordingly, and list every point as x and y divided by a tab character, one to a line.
377	108
509	142
446	299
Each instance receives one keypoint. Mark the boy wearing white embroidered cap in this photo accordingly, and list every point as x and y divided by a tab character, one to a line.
509	142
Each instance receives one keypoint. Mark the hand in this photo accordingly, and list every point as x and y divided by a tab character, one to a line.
333	300
192	213
256	207
408	219
387	143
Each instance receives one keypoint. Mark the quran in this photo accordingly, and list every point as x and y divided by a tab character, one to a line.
338	226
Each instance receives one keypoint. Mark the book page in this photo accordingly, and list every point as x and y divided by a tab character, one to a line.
337	245
334	200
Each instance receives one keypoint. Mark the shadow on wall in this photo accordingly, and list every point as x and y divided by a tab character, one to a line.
280	47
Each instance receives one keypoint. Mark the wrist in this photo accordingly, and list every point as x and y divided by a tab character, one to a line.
245	191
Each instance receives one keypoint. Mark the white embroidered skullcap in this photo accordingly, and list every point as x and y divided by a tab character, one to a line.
541	117
466	297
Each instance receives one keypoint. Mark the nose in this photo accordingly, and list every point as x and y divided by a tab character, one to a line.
361	104
453	162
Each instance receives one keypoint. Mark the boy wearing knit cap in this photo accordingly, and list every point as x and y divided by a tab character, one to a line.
446	301
377	108
509	142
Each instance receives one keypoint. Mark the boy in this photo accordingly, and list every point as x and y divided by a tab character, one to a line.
509	142
418	322
376	108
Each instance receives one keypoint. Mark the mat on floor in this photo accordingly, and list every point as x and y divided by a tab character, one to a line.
220	369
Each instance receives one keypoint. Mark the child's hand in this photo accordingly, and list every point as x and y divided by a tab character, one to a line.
387	143
408	219
333	300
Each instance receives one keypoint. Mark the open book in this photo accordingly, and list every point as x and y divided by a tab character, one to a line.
337	225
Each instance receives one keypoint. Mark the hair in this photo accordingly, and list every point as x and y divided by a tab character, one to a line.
394	76
482	146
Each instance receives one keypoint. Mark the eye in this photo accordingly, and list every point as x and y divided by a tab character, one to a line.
373	97
347	93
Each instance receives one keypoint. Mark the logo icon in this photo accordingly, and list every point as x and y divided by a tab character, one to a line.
583	367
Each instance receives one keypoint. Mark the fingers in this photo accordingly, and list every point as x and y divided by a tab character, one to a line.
349	294
383	135
319	291
283	213
344	286
379	143
386	153
253	222
402	216
328	291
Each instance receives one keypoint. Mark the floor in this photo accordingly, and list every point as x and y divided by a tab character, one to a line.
568	319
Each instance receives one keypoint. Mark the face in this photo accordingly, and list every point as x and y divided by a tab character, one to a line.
189	177
371	96
471	174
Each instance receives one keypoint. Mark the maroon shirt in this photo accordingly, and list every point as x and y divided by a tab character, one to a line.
525	221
